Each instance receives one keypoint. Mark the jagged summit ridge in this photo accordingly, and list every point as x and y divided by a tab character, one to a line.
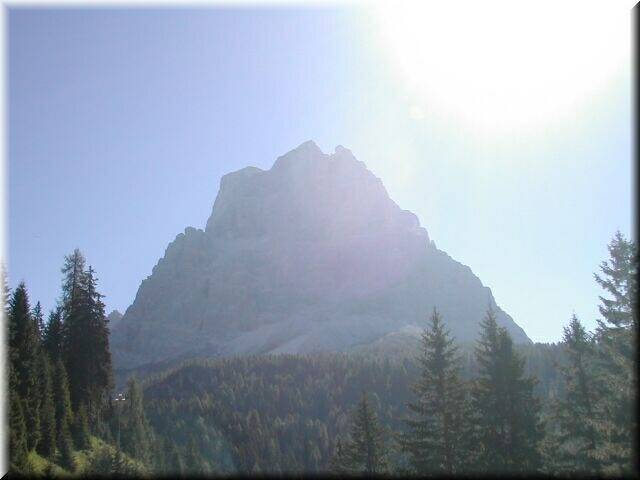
309	255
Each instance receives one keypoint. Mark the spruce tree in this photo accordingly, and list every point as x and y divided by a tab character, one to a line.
175	461
616	336
48	440
62	401
193	459
52	336
24	348
364	452
76	352
439	437
135	430
80	428
65	450
17	430
339	462
38	318
577	442
507	413
85	338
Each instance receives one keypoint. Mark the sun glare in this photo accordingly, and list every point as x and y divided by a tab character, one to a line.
504	65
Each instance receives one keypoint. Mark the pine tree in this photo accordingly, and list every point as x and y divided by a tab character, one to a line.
23	354
80	428
576	449
17	430
62	401
52	337
135	431
339	462
507	412
364	452
616	335
193	460
100	368
48	440
174	460
75	351
85	338
38	317
65	450
439	437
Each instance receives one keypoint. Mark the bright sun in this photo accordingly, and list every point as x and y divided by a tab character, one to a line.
504	65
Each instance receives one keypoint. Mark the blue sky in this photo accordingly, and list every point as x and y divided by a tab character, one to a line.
121	123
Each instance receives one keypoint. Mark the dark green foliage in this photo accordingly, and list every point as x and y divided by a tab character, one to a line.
48	440
17	434
24	348
616	337
107	461
175	463
193	459
52	336
85	338
38	318
80	429
282	413
365	450
439	437
576	439
135	431
507	413
61	400
65	450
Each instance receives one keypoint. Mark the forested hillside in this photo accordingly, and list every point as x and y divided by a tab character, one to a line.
440	408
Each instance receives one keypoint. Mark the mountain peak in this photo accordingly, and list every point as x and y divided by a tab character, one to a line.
310	255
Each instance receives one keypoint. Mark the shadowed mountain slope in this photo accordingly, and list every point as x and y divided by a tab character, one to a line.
311	255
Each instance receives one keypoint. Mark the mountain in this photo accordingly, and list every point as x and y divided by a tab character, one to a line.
311	255
114	318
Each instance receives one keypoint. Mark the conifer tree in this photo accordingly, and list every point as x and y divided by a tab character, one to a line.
576	447
52	337
339	462
17	430
175	461
85	338
364	452
616	336
80	428
65	450
62	402
75	351
135	431
48	440
23	353
193	460
439	437
100	368
507	412
38	318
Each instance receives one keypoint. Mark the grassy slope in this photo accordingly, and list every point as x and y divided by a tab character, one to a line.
41	466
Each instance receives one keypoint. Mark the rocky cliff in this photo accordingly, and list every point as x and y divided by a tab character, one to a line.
309	255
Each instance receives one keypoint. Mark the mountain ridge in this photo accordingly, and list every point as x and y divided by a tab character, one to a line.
310	255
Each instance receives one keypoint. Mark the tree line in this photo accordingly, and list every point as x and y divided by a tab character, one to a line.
60	373
497	408
492	423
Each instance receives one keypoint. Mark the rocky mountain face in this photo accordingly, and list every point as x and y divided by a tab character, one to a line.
311	255
114	318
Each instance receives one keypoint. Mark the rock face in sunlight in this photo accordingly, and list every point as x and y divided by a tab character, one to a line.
310	255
